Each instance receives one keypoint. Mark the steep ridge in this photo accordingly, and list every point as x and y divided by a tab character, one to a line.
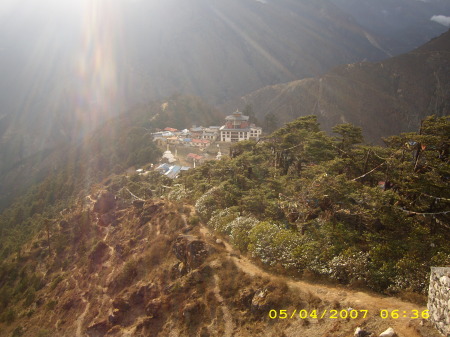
123	278
384	98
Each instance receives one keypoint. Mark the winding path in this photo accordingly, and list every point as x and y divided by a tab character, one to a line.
347	298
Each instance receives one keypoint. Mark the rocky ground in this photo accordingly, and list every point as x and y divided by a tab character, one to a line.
146	269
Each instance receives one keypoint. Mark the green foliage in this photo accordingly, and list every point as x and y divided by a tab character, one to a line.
9	316
349	135
51	305
194	220
30	296
129	272
369	215
44	333
17	332
56	281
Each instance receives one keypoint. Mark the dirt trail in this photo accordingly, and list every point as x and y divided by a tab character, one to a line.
228	319
328	294
80	319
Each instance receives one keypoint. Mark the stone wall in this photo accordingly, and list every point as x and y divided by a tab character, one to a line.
439	299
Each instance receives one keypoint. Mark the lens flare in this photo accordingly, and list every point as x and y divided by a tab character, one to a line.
97	87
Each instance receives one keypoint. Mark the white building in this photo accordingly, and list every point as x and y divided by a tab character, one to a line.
237	128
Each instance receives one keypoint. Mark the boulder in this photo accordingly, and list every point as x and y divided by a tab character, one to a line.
121	304
108	219
139	296
191	251
361	333
64	225
139	204
69	304
245	297
105	202
149	212
388	333
178	270
204	332
192	311
153	308
120	308
259	301
99	253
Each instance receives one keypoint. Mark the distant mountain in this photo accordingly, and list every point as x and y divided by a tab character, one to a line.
67	67
402	25
385	98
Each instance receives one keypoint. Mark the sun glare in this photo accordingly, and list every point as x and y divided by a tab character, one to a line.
96	62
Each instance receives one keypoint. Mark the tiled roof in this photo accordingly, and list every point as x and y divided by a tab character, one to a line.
194	156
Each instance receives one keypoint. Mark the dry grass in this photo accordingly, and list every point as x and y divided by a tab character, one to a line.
413	297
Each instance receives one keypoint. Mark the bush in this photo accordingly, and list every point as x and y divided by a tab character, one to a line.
194	220
240	227
208	202
9	316
274	245
221	218
349	266
51	305
30	296
18	332
44	333
56	281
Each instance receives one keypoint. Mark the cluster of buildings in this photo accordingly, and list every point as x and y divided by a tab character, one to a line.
237	128
197	136
171	171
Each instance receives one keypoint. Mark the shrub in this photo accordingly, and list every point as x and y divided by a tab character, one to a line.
221	218
194	220
44	333
56	281
349	266
18	332
30	296
274	245
208	202
9	316
240	227
51	305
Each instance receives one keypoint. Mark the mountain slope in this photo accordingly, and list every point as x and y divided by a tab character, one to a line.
130	256
397	22
67	68
385	98
151	273
121	142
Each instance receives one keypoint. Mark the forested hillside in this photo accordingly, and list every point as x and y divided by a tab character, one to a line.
84	256
304	202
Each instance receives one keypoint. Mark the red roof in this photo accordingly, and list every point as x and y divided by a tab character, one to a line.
170	129
194	156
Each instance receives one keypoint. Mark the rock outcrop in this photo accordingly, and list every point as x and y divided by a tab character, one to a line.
439	299
106	202
191	251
